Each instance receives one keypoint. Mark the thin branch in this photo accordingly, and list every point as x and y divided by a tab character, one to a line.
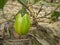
24	5
57	7
39	10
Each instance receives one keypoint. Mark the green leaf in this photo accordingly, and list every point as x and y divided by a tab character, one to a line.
2	3
55	15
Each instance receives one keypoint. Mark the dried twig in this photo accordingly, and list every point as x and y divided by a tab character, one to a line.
39	10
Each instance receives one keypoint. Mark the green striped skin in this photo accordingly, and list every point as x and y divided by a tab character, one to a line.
22	24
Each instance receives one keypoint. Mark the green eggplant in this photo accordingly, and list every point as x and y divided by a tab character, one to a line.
22	24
